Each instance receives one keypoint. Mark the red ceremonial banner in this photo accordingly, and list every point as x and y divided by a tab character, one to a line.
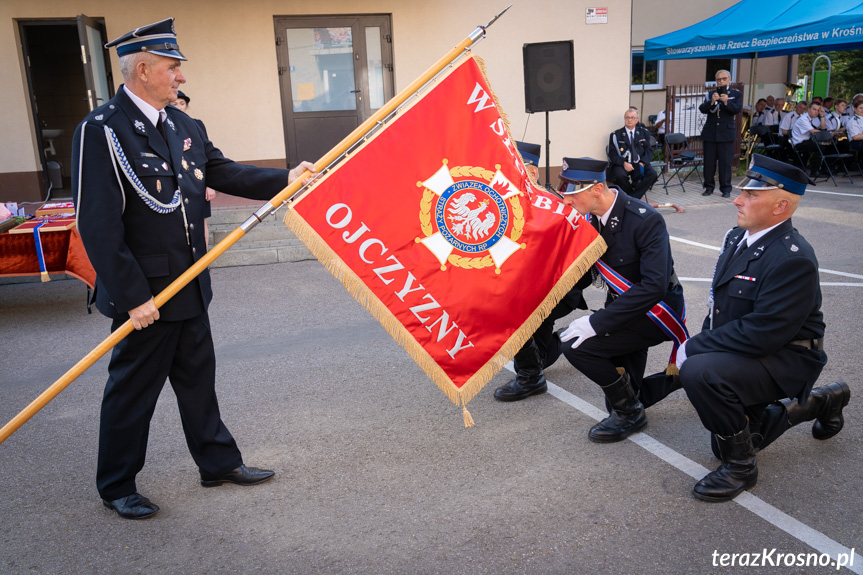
435	227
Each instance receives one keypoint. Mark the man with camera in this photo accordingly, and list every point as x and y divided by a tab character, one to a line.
721	106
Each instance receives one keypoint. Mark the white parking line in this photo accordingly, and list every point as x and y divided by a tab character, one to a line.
759	507
716	249
834	193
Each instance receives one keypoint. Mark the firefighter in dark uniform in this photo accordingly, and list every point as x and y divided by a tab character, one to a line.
719	133
750	371
139	174
543	348
619	335
630	154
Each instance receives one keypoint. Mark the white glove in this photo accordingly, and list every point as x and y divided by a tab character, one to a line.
681	355
579	329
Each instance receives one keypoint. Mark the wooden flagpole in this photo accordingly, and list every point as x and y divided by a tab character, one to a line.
232	238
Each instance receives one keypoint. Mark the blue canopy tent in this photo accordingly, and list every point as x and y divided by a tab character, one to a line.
753	28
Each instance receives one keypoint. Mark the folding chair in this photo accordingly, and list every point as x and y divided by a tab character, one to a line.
659	166
825	141
679	156
765	144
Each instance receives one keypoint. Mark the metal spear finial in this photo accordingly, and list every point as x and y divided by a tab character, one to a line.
499	14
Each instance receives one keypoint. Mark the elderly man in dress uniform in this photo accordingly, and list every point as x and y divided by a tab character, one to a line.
750	371
719	133
139	178
630	154
543	348
644	302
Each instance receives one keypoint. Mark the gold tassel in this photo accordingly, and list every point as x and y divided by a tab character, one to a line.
672	369
45	277
468	419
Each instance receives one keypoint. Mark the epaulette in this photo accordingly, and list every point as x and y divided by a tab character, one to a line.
795	244
642	209
101	114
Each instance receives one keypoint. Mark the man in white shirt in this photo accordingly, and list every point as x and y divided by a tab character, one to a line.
788	119
771	115
759	115
801	136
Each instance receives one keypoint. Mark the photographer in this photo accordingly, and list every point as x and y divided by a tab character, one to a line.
719	133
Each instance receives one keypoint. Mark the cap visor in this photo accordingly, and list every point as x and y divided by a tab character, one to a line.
750	184
169	54
576	187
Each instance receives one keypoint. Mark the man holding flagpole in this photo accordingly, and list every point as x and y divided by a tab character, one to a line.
644	303
139	181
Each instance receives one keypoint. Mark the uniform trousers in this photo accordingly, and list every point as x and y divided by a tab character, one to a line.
181	351
726	388
721	153
599	357
634	183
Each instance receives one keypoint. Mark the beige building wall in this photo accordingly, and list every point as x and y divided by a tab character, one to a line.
232	69
657	17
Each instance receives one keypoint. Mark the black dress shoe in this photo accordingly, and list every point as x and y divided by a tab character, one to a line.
134	506
241	476
707	193
726	194
521	388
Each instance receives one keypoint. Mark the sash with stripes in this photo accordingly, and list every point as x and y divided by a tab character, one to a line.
661	314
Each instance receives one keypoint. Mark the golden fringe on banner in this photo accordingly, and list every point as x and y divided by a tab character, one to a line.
366	297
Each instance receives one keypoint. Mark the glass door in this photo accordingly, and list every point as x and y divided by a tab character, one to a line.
334	73
91	35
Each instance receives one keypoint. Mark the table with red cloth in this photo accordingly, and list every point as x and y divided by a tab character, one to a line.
63	250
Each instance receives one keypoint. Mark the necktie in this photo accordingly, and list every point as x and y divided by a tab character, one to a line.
740	249
634	156
160	126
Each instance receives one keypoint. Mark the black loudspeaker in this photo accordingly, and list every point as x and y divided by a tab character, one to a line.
549	76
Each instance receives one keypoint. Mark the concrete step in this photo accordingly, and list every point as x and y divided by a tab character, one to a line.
269	242
260	253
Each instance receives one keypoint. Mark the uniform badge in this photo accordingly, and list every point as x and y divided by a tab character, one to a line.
139	126
614	222
158	185
165	166
100	116
199	174
145	165
641	210
794	248
148	155
171	123
187	143
185	164
470	217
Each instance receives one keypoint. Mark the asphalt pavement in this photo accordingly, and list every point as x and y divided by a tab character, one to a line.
376	472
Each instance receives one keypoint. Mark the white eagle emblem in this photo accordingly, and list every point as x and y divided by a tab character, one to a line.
794	248
467	221
641	210
171	123
139	125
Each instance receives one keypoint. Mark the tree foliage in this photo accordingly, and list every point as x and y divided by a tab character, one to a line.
846	74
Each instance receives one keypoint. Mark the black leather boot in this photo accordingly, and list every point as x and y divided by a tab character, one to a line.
529	376
827	403
737	472
627	414
824	405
